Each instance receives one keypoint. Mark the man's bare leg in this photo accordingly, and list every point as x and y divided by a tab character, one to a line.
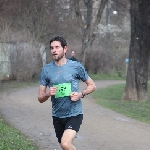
67	139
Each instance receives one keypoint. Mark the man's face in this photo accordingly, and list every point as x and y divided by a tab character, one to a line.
57	51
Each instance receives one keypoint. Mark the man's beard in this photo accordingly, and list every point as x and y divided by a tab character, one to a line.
57	58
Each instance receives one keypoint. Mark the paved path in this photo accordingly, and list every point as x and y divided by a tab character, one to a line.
102	129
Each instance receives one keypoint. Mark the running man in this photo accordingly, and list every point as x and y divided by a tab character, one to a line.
61	77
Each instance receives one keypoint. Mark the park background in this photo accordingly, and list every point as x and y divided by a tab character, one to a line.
110	38
27	26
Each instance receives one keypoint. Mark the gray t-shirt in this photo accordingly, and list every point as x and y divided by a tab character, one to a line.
71	72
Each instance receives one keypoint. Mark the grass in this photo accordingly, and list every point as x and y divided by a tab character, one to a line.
111	76
110	98
11	138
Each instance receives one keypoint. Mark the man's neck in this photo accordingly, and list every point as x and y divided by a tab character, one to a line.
61	62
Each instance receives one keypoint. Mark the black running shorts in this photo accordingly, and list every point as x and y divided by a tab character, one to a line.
61	124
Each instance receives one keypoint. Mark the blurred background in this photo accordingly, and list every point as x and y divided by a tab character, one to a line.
98	31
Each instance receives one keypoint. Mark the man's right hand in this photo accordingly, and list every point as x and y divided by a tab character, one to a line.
52	91
43	94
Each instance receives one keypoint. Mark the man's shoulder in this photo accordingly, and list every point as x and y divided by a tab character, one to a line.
74	63
49	64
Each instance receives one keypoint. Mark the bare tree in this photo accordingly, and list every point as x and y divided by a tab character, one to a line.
36	20
89	13
137	74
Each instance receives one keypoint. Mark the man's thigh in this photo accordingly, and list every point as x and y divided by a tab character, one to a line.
67	127
71	128
59	128
74	122
68	136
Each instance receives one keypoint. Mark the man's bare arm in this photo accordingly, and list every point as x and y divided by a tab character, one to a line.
42	95
90	86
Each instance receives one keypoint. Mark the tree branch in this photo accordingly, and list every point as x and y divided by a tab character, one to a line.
101	7
78	13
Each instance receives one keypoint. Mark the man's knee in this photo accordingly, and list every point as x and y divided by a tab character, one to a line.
65	145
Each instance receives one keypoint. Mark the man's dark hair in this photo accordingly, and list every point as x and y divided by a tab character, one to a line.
60	39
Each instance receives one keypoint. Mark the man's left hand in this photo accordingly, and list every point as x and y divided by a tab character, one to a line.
75	96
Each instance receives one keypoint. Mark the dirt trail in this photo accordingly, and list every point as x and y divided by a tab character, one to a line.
102	129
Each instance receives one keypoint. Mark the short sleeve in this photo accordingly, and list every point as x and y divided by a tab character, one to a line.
43	78
82	74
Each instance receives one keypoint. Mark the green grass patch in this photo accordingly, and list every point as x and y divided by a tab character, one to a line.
110	97
111	76
12	139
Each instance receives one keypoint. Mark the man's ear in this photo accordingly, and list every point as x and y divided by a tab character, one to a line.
65	49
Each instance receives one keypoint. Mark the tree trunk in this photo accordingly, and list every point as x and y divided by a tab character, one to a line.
84	48
86	31
137	74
